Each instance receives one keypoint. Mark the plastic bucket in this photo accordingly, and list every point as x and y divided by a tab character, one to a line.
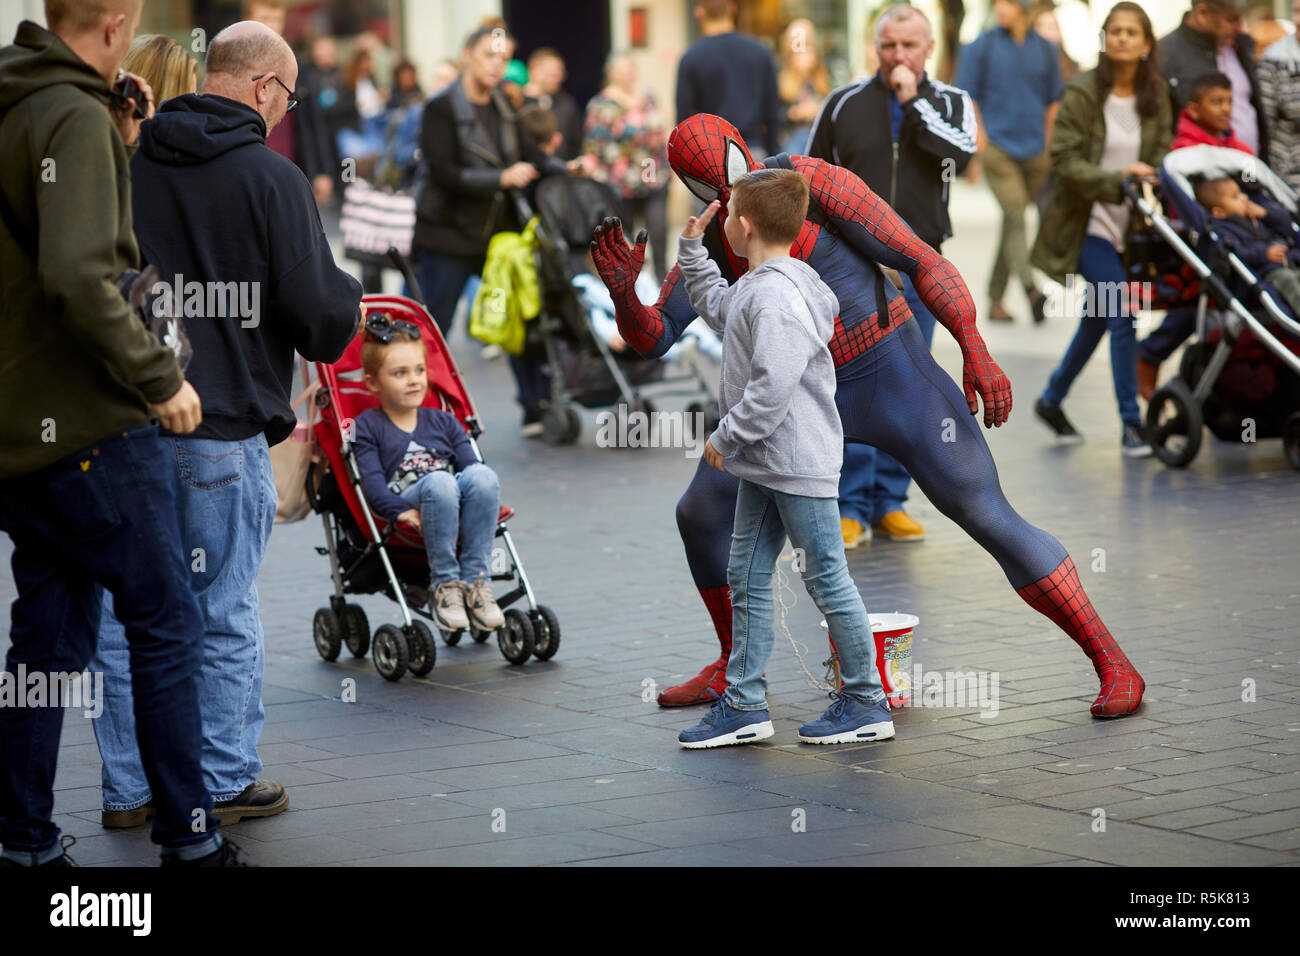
893	636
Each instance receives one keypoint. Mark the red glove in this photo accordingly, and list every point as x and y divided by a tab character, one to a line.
981	378
619	265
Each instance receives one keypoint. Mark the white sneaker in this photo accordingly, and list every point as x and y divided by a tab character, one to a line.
448	605
482	607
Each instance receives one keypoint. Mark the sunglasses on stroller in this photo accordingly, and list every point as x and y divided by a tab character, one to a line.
382	328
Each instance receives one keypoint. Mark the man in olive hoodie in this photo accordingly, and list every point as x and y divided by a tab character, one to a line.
83	493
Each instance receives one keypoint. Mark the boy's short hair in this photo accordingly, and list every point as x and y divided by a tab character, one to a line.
774	200
539	123
1213	80
80	16
373	350
1210	191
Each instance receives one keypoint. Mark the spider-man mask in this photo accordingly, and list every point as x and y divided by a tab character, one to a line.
709	155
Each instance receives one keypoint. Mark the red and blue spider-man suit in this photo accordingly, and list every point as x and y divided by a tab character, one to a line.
891	393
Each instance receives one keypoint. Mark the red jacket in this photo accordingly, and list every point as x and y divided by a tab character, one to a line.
1190	133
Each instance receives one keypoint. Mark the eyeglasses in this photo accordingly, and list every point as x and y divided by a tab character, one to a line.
382	329
293	100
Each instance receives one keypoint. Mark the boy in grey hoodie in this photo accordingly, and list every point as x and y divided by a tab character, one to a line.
781	435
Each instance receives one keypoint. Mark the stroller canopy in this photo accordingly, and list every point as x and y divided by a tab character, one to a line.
1182	166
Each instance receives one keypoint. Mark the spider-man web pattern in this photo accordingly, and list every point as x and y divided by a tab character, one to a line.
890	394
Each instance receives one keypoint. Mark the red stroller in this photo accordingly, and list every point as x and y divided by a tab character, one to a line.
368	556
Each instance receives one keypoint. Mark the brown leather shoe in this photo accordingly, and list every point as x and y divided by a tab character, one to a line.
125	819
261	798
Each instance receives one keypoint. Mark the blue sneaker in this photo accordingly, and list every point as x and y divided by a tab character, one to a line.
849	721
724	725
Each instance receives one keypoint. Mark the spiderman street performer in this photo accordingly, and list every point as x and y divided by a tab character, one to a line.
890	391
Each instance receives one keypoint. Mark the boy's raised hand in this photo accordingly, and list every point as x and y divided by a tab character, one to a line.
696	224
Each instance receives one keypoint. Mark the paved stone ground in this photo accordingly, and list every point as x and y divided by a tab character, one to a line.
1198	584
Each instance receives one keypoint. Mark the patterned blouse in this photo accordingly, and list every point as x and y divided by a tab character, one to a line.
630	146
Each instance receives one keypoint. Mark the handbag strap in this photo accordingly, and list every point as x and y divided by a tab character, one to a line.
313	386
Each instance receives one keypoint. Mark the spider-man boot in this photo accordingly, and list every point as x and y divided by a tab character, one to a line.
708	685
1061	597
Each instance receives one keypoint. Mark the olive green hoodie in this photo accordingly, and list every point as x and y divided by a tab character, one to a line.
77	366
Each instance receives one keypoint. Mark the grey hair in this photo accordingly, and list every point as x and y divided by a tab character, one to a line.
902	12
614	57
240	48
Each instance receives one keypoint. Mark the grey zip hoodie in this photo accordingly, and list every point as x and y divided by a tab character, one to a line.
780	427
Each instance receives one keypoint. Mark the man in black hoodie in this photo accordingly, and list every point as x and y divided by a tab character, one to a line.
233	229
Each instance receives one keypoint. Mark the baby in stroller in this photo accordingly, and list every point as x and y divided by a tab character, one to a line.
418	468
1260	231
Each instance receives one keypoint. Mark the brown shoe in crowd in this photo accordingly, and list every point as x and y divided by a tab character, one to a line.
261	798
1147	374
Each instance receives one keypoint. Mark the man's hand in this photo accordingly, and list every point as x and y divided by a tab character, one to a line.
127	123
696	224
411	517
181	413
323	187
903	82
981	378
1277	252
518	176
713	456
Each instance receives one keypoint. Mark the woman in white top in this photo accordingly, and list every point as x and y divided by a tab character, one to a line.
1113	122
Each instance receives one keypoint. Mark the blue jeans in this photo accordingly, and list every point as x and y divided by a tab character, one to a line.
442	279
226	495
1099	262
764	517
103	518
872	483
465	504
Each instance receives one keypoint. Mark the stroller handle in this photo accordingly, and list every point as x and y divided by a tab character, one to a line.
403	266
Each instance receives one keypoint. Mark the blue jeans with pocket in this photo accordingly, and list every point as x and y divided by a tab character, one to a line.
872	482
465	506
225	491
1099	264
764	517
103	518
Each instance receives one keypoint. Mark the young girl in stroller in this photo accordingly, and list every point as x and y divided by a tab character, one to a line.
418	468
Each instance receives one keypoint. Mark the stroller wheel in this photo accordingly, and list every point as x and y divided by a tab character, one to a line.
1291	439
390	652
424	650
479	636
356	630
515	637
325	630
546	632
452	638
1174	424
561	425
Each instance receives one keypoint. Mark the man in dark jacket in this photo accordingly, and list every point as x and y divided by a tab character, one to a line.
932	139
83	492
730	75
1208	39
233	229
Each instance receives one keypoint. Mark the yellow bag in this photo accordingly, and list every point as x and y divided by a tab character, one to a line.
509	294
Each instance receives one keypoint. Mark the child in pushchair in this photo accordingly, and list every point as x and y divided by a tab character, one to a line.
353	500
1242	377
418	468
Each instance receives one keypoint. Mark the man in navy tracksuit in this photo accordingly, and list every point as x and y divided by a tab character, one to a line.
932	138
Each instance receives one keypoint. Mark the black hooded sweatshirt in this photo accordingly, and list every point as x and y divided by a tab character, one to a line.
216	207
